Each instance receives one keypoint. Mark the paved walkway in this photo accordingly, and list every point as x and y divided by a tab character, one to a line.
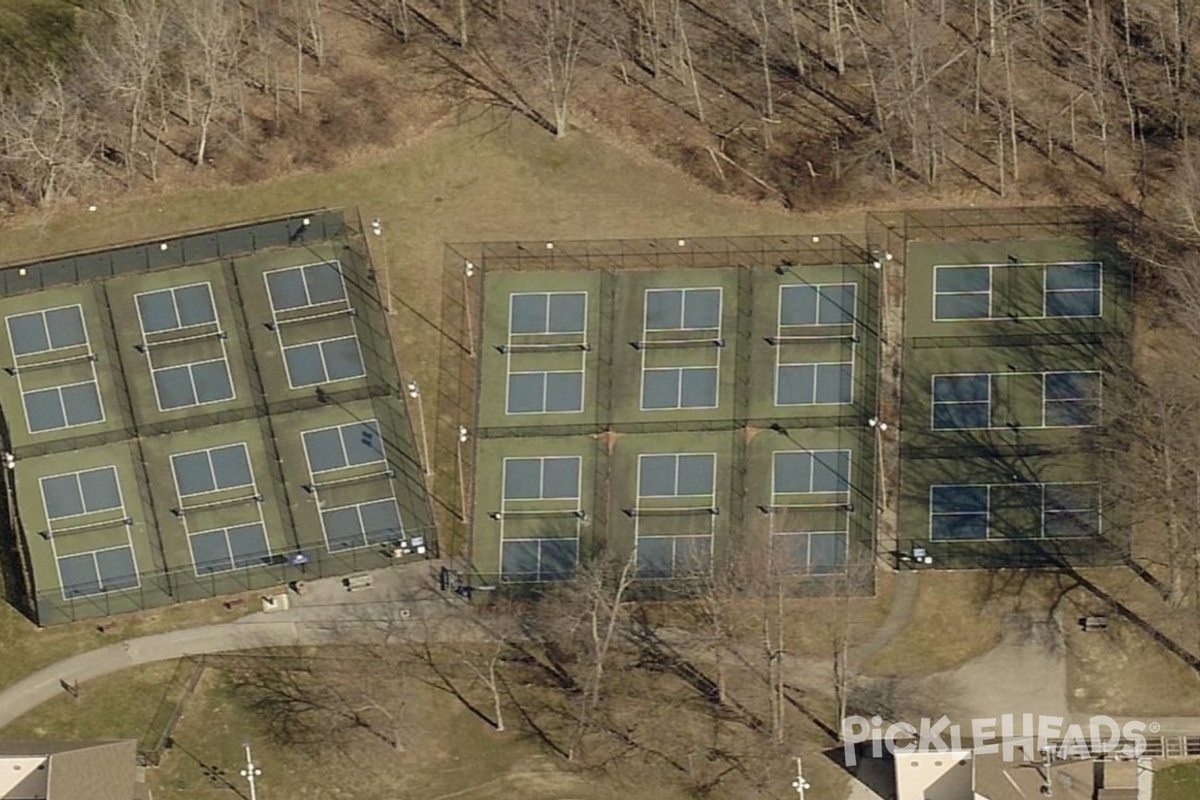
326	611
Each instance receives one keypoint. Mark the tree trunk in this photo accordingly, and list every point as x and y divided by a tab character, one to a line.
493	683
835	32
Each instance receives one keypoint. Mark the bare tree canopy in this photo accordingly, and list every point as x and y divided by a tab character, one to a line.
779	99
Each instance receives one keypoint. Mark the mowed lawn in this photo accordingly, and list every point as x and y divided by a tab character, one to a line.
1177	782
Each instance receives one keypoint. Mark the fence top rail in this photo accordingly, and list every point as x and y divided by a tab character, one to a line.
699	251
999	223
130	244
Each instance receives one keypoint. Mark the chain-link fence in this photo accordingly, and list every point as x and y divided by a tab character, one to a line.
750	272
312	236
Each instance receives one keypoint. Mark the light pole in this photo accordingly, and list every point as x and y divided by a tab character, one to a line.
880	427
463	434
800	784
250	773
468	272
414	391
1047	779
380	268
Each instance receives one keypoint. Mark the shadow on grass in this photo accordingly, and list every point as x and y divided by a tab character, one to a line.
214	773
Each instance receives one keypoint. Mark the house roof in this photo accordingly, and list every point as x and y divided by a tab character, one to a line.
997	779
44	748
969	775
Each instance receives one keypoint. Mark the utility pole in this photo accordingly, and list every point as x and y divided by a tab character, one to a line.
380	266
250	773
880	427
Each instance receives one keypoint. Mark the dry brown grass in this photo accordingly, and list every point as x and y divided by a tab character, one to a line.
956	619
448	752
1124	671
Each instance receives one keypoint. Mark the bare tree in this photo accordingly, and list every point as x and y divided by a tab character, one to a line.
128	63
314	24
759	15
604	587
326	699
46	141
561	32
213	34
836	28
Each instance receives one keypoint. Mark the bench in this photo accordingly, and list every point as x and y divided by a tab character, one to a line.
234	602
356	582
106	626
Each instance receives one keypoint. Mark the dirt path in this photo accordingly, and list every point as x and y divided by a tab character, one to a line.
1026	673
904	604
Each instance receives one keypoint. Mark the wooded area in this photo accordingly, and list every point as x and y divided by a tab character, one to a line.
793	100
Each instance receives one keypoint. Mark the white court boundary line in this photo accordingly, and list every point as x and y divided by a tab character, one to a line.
1098	400
666	343
88	354
175	304
122	520
991	290
185	509
712	504
987	512
368	424
505	509
511	342
315	488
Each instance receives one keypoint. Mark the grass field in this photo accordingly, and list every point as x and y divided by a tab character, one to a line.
1177	782
950	601
447	751
120	706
